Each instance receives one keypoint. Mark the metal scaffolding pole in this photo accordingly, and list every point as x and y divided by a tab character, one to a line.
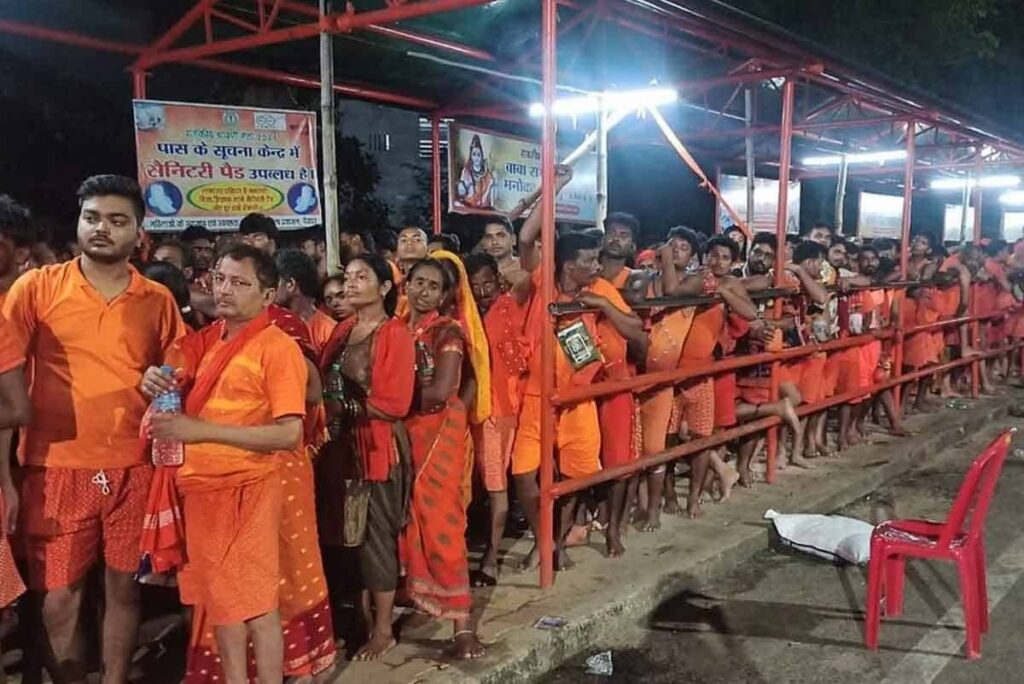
435	171
546	533
330	157
602	165
844	168
748	117
781	221
908	199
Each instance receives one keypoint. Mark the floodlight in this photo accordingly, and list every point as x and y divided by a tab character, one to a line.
1012	198
984	181
609	100
856	158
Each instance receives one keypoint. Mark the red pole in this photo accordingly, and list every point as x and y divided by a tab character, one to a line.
908	201
549	60
176	31
435	178
781	221
139	85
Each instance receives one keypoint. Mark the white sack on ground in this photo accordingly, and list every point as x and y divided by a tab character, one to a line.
831	537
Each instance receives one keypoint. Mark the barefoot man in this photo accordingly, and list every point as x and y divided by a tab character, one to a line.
577	433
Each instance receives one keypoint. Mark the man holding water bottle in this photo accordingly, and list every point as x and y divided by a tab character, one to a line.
89	327
244	380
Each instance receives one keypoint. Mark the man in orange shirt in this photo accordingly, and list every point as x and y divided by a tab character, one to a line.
621	441
90	327
503	316
245	402
577	434
298	291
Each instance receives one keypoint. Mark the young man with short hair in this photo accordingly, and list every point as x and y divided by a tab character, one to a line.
504	315
298	292
412	247
175	253
260	231
90	327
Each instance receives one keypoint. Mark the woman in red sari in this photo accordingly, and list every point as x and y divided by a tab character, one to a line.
433	544
374	354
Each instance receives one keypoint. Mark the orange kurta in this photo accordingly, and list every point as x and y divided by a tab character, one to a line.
948	303
697	398
88	356
493	439
250	561
618	413
578	437
667	336
233	567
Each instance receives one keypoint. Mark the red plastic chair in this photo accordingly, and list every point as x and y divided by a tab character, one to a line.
959	539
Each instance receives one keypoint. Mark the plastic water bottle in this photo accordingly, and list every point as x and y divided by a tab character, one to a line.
168	452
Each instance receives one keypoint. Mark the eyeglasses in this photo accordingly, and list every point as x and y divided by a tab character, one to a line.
235	283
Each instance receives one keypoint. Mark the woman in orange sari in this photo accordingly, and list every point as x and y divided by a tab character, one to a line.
373	354
433	544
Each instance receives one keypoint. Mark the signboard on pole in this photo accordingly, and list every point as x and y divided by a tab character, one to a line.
880	216
210	165
490	173
766	203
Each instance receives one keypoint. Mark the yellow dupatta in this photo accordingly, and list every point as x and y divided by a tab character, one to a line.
476	339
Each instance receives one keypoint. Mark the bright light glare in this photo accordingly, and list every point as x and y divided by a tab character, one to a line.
611	99
856	158
984	181
1013	198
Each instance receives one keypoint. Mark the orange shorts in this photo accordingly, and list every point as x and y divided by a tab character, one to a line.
695	405
70	516
492	450
232	540
577	439
812	371
11	586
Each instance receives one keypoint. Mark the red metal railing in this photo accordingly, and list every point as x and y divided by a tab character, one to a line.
552	490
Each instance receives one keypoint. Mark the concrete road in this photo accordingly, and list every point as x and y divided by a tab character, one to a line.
781	618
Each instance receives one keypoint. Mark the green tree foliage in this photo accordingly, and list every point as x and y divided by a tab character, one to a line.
358	177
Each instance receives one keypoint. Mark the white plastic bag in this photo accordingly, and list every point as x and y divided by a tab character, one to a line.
831	537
